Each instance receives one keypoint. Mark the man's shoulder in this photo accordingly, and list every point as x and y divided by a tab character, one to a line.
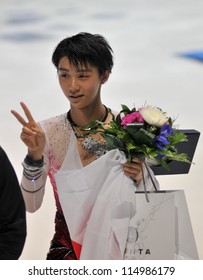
55	121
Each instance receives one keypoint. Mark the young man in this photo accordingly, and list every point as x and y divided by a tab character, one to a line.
12	212
84	63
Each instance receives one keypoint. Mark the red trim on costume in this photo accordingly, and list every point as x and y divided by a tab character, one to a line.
77	248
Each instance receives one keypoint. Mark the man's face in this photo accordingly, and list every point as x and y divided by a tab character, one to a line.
80	85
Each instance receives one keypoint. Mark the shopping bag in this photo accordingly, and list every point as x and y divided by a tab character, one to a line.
161	228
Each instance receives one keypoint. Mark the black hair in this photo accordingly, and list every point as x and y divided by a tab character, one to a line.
85	49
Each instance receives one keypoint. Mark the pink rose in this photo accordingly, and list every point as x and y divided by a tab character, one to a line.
134	117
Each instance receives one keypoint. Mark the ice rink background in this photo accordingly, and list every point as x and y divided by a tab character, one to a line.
147	38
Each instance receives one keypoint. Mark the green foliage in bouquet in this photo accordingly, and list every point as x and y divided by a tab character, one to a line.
146	133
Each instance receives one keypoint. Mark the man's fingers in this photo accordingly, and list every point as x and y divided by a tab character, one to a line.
18	117
28	131
27	112
136	160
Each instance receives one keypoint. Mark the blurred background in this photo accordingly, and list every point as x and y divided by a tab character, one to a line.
158	48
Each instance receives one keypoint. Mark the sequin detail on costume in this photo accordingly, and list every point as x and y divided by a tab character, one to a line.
61	246
94	147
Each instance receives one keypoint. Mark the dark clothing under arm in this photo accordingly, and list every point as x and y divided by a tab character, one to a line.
12	212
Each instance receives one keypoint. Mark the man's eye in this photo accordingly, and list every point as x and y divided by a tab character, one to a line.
62	74
83	76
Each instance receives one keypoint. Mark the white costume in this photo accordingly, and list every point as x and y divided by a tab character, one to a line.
62	154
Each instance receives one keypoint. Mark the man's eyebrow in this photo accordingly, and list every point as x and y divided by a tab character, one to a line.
83	70
77	70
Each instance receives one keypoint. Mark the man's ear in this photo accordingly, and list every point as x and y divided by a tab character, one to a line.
105	76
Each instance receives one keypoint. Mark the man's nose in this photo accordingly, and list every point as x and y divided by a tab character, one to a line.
74	86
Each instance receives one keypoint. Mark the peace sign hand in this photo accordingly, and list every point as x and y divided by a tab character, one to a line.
32	135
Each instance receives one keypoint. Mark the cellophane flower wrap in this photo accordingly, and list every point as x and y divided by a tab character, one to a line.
147	133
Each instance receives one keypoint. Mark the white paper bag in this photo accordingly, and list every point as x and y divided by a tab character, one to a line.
161	228
100	205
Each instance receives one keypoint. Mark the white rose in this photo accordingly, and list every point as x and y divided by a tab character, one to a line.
153	116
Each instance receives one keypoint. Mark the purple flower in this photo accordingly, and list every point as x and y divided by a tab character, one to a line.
161	140
166	130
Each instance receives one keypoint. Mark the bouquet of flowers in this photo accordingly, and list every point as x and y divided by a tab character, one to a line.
146	133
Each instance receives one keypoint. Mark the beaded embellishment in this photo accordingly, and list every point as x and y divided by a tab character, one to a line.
94	146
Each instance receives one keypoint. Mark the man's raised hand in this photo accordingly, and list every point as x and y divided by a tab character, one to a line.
32	134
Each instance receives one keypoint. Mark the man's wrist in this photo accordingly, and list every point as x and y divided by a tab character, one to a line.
34	162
